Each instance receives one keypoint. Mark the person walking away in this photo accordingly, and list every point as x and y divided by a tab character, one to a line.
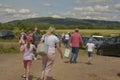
48	60
36	39
67	38
90	49
75	43
27	50
23	38
30	36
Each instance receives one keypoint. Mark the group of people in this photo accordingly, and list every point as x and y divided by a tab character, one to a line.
29	46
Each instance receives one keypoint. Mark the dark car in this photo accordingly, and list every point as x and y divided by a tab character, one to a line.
85	39
97	41
5	34
110	47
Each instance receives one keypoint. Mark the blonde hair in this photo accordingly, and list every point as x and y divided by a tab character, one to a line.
51	30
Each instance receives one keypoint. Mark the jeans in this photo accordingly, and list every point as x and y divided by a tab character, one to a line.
67	43
75	51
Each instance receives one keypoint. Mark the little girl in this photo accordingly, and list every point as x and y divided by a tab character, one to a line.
27	50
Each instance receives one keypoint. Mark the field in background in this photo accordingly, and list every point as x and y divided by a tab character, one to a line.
90	32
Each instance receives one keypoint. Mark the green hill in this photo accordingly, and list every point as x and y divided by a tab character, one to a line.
68	21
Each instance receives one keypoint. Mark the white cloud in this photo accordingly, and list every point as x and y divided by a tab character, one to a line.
92	1
34	15
56	16
24	11
8	10
96	8
47	4
106	12
8	14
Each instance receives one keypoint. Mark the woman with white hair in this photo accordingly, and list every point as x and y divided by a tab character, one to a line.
48	59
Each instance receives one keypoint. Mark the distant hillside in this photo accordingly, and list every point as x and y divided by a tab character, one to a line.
69	21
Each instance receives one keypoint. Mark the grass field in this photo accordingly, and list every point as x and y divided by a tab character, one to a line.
93	32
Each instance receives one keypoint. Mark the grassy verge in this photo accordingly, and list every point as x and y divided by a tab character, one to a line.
8	49
9	40
93	32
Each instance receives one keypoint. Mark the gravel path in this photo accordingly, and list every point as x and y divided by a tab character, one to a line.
103	68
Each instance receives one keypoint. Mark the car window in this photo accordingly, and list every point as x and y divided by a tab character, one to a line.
111	40
118	40
98	39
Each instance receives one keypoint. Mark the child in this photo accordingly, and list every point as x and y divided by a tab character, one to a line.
90	47
27	50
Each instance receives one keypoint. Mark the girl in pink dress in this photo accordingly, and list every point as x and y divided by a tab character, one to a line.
27	50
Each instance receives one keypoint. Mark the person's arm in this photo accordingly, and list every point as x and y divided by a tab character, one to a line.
42	39
70	41
94	51
34	47
81	40
59	50
22	48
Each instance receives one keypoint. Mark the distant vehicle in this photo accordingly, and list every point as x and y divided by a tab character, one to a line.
5	34
110	47
85	39
97	36
97	40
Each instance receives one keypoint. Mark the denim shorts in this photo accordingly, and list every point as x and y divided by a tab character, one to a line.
90	54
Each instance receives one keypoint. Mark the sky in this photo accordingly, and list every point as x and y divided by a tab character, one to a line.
81	9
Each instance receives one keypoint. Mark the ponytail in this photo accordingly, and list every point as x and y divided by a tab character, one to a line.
28	44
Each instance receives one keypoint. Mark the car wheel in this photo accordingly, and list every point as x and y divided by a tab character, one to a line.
100	52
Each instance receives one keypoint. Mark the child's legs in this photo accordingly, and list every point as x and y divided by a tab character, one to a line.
27	65
90	54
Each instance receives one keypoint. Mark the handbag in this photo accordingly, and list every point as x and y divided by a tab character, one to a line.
67	53
42	48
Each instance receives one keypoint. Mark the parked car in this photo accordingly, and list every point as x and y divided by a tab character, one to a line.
4	34
110	47
97	41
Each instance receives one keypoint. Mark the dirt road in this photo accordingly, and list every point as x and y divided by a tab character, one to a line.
103	68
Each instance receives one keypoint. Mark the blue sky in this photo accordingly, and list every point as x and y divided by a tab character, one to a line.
81	9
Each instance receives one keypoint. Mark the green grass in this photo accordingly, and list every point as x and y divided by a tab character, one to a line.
9	40
8	49
89	32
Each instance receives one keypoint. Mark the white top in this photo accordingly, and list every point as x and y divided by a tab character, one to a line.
28	53
51	40
67	37
90	46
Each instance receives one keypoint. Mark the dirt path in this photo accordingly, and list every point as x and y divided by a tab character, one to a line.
103	68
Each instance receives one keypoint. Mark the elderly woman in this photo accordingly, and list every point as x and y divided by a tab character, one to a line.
47	60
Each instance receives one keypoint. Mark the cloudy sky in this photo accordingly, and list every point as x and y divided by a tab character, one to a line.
81	9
